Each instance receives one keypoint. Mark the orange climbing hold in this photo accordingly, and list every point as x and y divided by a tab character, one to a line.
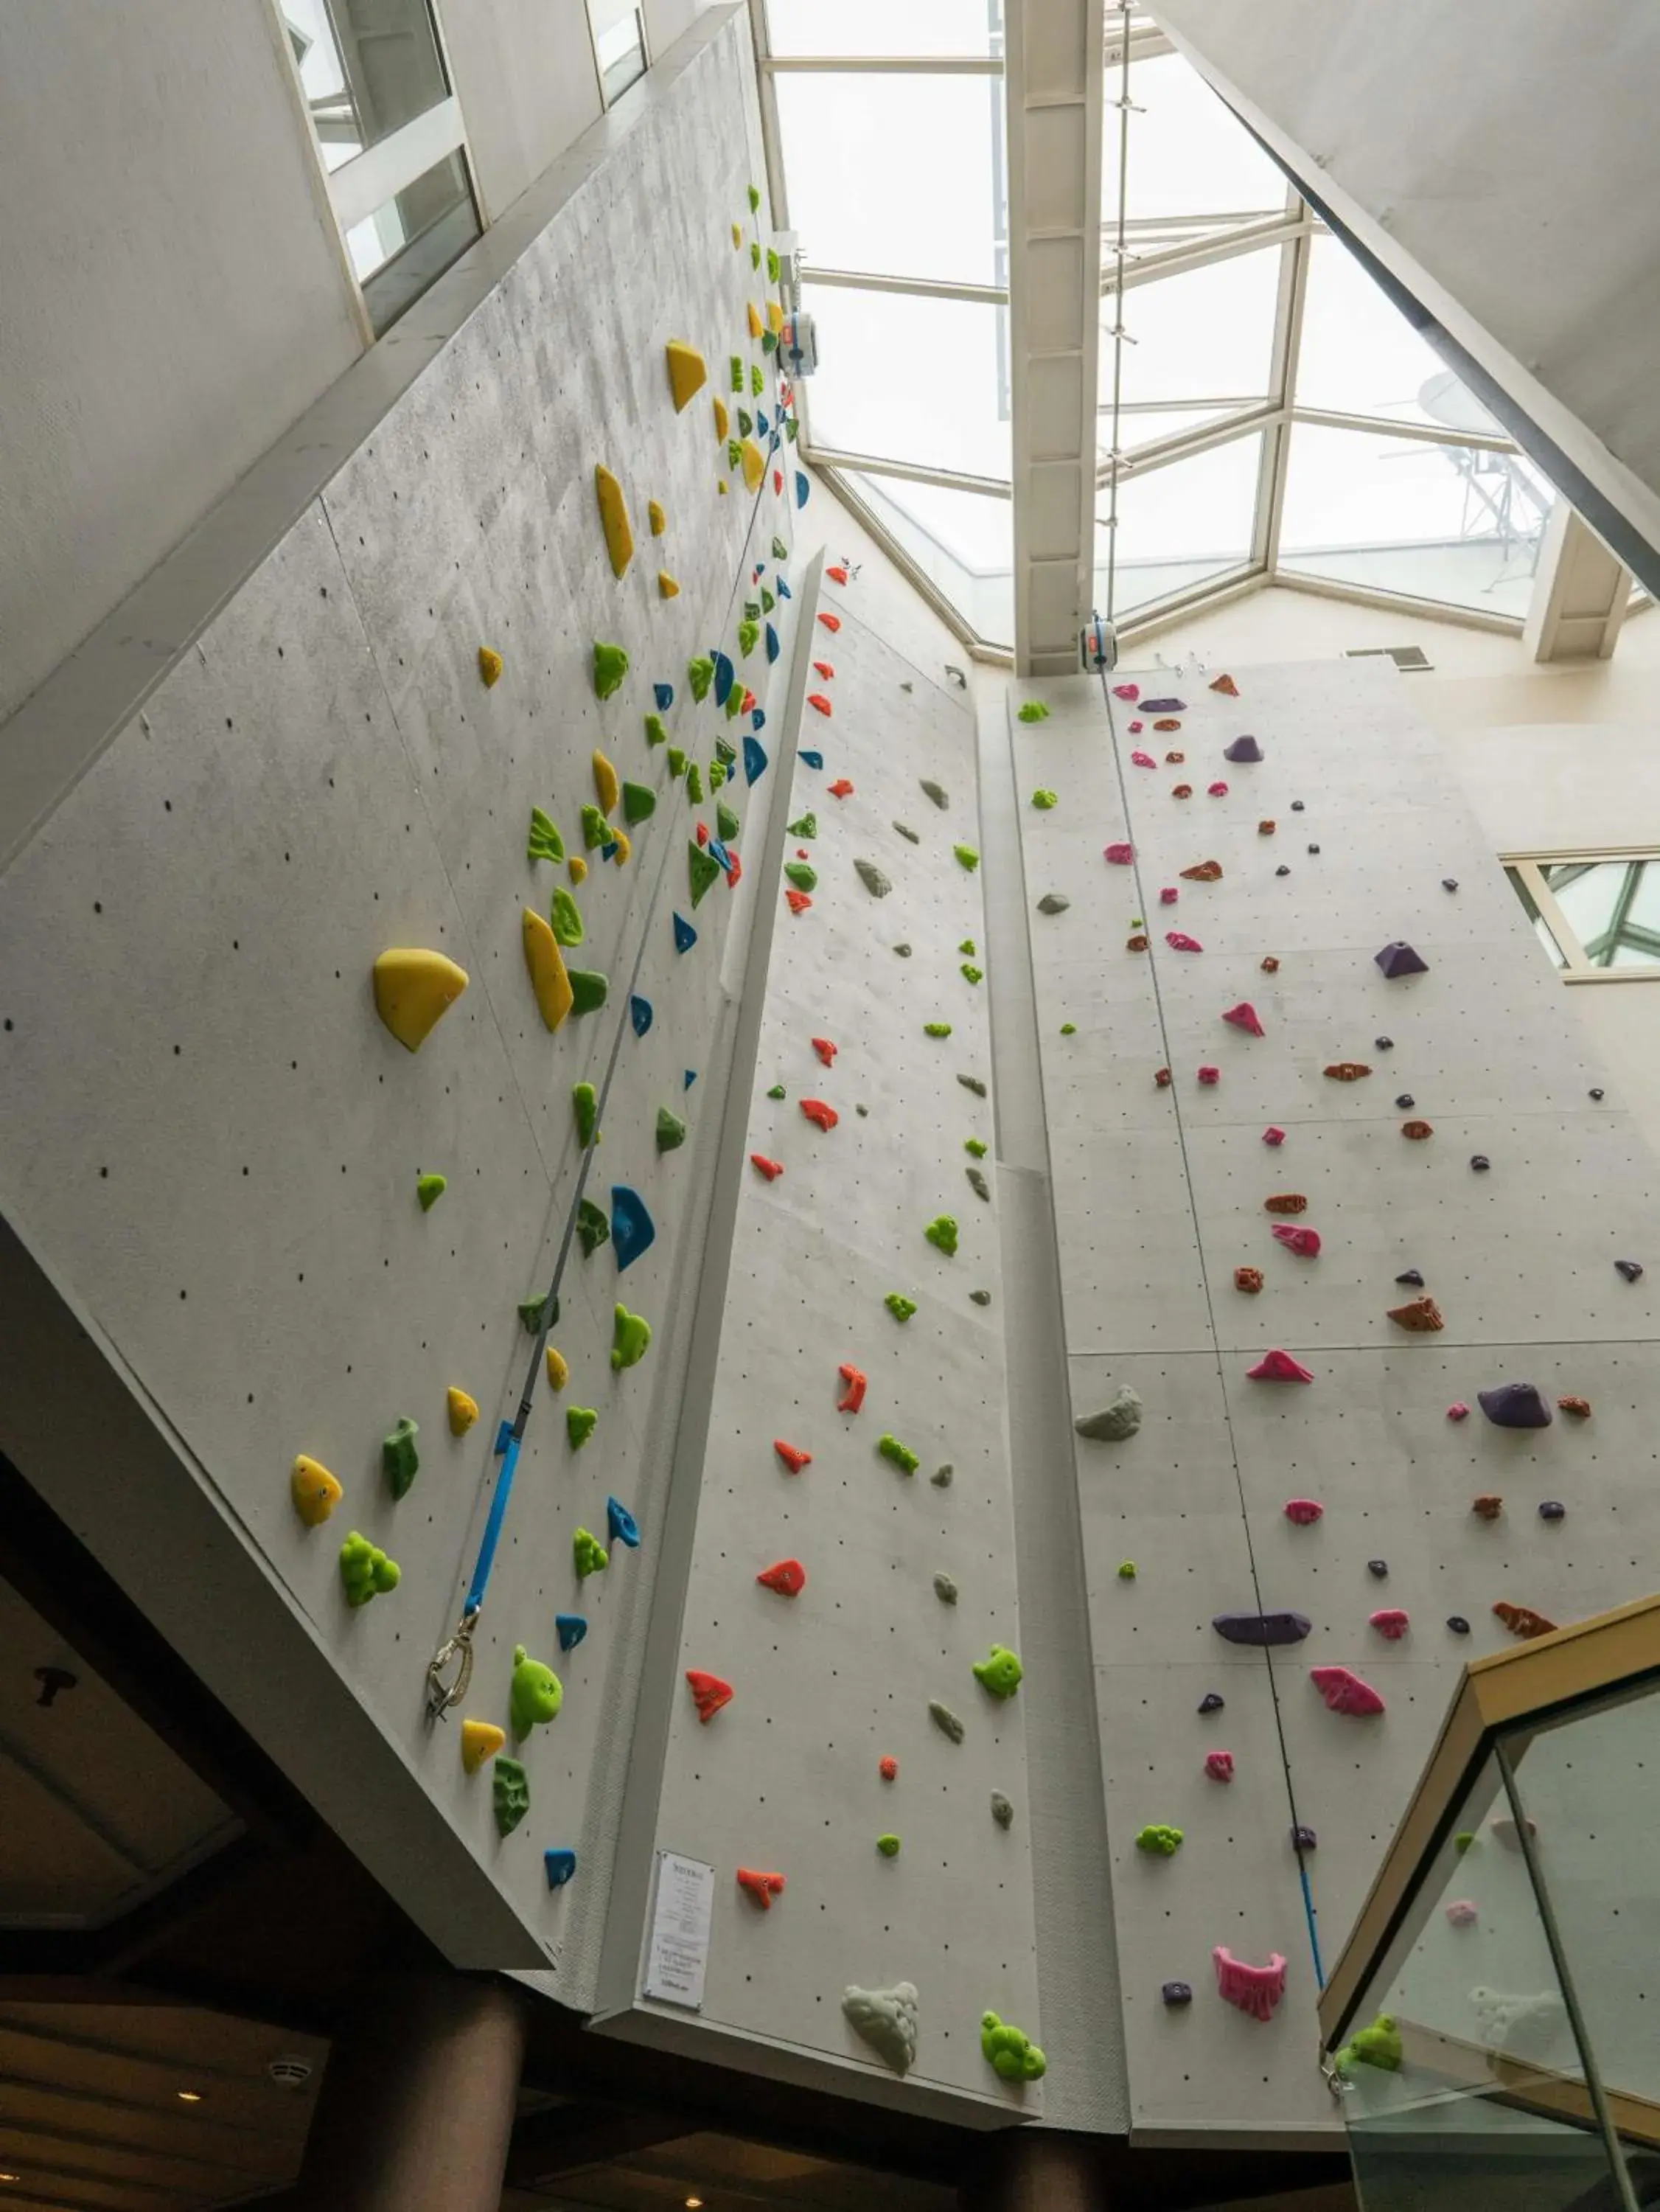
837	575
793	1457
1249	1280
1347	1071
888	1767
841	788
703	833
1523	1620
1488	1506
830	620
825	668
787	1577
771	1168
777	482
1417	1131
1207	871
1226	685
825	1049
797	901
1423	1316
816	1111
1579	1407
817	700
760	1888
858	1383
734	869
1166	722
1270	964
709	1692
1286	1201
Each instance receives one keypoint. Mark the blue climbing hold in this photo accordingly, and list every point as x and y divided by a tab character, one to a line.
572	1627
719	854
760	425
811	760
755	759
561	1864
723	677
664	695
632	1229
773	646
784	591
620	1524
608	851
758	721
685	936
760	570
802	487
690	1078
639	1013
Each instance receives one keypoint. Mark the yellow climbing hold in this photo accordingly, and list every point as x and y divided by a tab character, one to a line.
721	486
480	1739
546	963
606	783
463	1411
738	234
657	518
316	1493
756	325
754	464
667	587
722	420
775	318
489	665
613	519
559	1369
413	989
624	845
685	371
578	867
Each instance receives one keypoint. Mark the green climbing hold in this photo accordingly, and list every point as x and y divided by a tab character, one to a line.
727	824
585	1104
936	1029
735	699
1034	711
593	1229
1158	1841
749	638
580	1422
717	776
398	1457
656	734
671	1131
1378	2046
899	1305
589	989
365	1570
780	551
1068	1028
969	972
804	825
545	843
975	1146
804	878
888	1846
757	381
595	829
704	868
1462	1841
631	1339
429	1188
1009	2051
1000	1673
900	1455
640	802
746	428
791	427
778	1090
1127	1571
734	454
726	750
534	1694
530	1311
610	666
694	786
566	919
973	1083
968	946
676	762
589	1555
510	1788
754	253
981	1298
735	361
772	265
701	674
768	604
1044	799
966	857
754	199
942	1233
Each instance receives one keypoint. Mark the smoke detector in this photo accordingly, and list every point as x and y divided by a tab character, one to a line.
289	2071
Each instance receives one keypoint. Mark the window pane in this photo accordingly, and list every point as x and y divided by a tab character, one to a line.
1440	522
367	67
864	197
1206	335
1189	154
1611	907
886	27
963	541
1360	354
1179	526
620	54
1541	928
911	380
408	245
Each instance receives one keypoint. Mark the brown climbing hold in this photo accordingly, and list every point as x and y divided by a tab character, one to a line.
1135	943
1265	829
1226	685
1417	1131
1346	1070
816	1111
1181	791
1286	1201
1249	1280
1522	1620
1168	722
1271	966
1581	1407
1174	760
1207	871
1488	1506
760	1888
1161	1077
1423	1316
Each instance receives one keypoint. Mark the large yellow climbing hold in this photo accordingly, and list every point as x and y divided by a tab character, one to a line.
722	420
463	1411
489	665
667	587
756	325
738	234
606	783
624	845
559	1369
578	868
775	317
657	518
614	518
316	1492
480	1739
413	989
685	371
754	464
546	963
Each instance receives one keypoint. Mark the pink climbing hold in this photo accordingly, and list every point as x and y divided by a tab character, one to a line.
1305	1243
1390	1622
792	1455
1462	1913
816	1111
818	701
1169	894
1120	855
777	483
787	1577
1254	1989
1305	1512
1179	941
1457	1411
1345	1693
825	1049
1273	1136
1244	1017
888	1767
1217	790
841	788
1126	691
1135	729
1278	1367
1210	1075
771	1168
1139	759
760	1888
1219	1765
858	1383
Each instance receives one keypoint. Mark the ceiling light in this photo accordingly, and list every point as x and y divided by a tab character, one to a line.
190	2096
694	2205
10	2176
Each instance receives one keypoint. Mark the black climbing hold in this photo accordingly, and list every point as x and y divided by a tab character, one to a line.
1383	1044
1596	1094
1458	1624
1212	1702
1282	869
1515	1406
1551	1509
1631	1269
1313	848
1412	1275
1304	1838
1262	1628
1480	1162
1296	805
1378	1567
1406	1100
1448	883
1177	1993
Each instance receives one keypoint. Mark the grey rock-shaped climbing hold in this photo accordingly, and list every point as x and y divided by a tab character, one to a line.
1378	1569
944	1588
1212	1702
1304	1838
981	1298
1384	1044
1596	1094
936	792
887	2020
1262	1628
1177	1993
1458	1624
1242	749
1313	848
1412	1275
945	1720
1052	902
977	1183
941	1478
872	878
907	833
1515	1406
1448	883
1480	1162
1397	959
973	1083
1405	1102
904	951
1002	1811
1119	1417
1551	1509
1631	1269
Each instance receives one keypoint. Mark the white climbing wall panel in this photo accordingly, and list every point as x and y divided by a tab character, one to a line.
1158	1196
786	1778
210	1144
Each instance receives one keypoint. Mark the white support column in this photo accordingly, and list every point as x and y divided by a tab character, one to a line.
1580	592
1054	89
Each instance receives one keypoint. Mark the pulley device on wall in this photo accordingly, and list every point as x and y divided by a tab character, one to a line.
1098	645
799	341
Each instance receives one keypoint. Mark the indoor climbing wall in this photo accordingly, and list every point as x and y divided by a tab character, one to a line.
846	1750
1329	1162
368	1011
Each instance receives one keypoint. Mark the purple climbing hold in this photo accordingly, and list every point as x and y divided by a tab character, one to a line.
1242	749
1458	1624
1303	1839
1164	706
1412	1275
1378	1567
1515	1406
1212	1702
1551	1509
1480	1162
1405	1102
1631	1269
1400	959
1177	1993
1262	1628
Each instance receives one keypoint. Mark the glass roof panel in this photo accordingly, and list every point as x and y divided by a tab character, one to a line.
862	195
1179	525
963	541
886	27
1199	336
1189	154
910	378
1360	354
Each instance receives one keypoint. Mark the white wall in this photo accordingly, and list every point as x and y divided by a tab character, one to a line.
524	76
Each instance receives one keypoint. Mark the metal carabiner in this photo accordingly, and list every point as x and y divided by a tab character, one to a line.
441	1695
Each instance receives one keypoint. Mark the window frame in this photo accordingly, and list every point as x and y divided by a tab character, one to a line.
1526	874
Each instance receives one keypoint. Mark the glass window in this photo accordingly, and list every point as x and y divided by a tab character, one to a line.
963	541
1446	522
863	198
1179	525
1360	354
1594	914
619	52
909	378
367	67
1190	156
405	245
1206	337
884	27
